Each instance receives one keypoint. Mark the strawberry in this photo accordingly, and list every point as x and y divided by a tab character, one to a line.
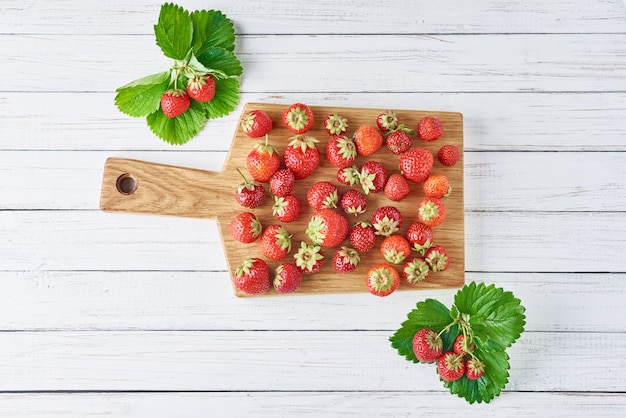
387	121
322	194
415	271
263	161
437	258
340	151
282	182
398	141
431	211
382	279
327	228
201	88
353	202
298	118
420	236
367	139
275	242
437	185
286	208
345	260
252	277
427	345
395	249
386	220
397	187
301	156
448	155
463	345
373	177
245	227
349	176
451	366
363	236
249	194
429	128
474	369
335	124
287	278
256	123
174	102
416	163
308	258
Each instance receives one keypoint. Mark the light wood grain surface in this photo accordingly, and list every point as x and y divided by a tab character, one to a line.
134	316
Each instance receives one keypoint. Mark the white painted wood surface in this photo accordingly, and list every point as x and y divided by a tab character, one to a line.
133	316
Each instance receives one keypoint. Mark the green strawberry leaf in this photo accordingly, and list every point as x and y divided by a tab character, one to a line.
180	129
226	98
143	96
174	31
496	317
212	29
222	61
490	384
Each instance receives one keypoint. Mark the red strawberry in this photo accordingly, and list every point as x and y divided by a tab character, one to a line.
275	242
287	278
416	163
245	227
263	161
349	176
429	128
345	260
363	236
398	141
335	124
448	155
437	185
386	220
437	258
340	151
286	208
367	139
327	228
249	194
427	345
174	102
252	277
308	258
373	177
382	279
420	236
462	346
395	249
387	121
431	211
415	271
201	88
301	156
298	118
282	182
474	369
397	187
353	202
256	123
451	366
322	194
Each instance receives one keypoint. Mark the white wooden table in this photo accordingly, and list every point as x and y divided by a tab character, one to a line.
129	315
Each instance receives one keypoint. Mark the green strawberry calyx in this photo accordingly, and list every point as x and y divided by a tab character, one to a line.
336	124
416	271
303	142
265	148
307	256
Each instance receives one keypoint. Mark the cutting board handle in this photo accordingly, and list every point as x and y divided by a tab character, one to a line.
156	189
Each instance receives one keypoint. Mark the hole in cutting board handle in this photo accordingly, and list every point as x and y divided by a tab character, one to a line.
126	184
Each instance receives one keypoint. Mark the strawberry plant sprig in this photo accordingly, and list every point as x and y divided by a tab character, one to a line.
202	82
486	319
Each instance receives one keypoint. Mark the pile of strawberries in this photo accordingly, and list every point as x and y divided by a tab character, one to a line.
329	227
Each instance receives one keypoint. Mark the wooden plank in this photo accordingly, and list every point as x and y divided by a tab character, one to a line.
284	361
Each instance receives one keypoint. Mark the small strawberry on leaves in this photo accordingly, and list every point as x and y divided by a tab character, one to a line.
201	44
488	317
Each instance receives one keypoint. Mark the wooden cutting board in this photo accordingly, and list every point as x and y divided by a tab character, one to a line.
147	188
